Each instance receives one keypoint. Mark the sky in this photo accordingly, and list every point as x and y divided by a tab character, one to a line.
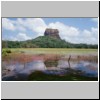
74	30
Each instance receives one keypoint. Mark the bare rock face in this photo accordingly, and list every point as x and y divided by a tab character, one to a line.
52	33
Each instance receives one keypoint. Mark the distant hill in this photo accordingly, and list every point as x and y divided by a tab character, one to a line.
49	42
44	42
51	39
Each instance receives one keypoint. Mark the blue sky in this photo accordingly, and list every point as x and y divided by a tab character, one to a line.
75	30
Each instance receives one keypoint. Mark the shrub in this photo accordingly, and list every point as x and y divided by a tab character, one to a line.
5	52
8	51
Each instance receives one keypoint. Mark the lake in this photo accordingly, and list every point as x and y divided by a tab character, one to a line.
81	65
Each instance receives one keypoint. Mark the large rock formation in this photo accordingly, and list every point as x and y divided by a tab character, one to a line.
52	33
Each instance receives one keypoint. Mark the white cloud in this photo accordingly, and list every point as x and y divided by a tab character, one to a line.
7	24
38	26
12	25
86	34
20	37
90	36
12	38
94	31
18	25
65	30
95	20
74	35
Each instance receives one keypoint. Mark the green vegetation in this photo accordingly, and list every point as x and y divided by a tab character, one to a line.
40	76
52	50
5	52
44	42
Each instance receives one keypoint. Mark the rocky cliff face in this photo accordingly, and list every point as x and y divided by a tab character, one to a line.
52	33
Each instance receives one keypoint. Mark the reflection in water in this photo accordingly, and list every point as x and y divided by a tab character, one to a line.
17	71
63	64
90	69
22	71
34	66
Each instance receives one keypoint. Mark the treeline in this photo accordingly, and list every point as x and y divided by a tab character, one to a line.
44	42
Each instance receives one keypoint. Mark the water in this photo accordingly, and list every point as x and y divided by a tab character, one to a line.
18	71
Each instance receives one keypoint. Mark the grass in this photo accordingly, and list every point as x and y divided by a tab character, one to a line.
54	50
52	54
